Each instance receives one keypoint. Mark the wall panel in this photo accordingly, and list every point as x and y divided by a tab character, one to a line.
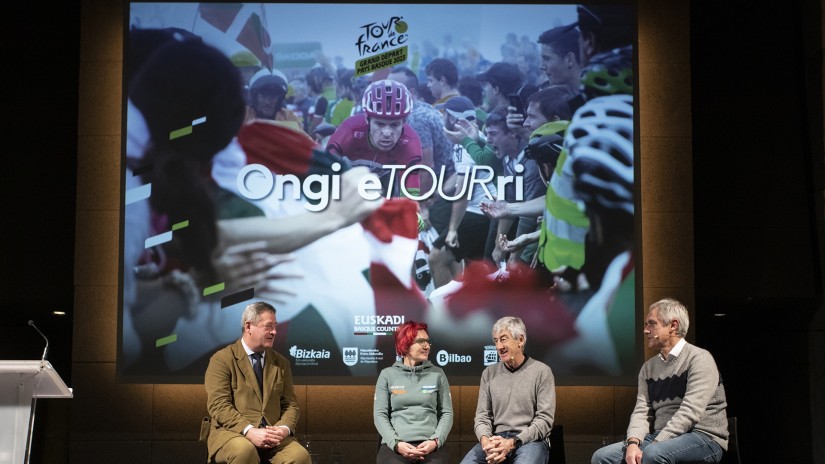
154	423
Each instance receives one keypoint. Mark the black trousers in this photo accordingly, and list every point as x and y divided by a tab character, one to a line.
388	456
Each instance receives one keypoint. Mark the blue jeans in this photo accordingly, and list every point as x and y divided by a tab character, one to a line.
535	452
691	447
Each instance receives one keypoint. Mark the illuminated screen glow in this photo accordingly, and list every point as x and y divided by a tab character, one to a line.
208	230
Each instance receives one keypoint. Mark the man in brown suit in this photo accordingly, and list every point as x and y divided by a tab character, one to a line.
253	419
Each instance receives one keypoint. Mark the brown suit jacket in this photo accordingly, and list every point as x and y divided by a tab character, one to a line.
233	399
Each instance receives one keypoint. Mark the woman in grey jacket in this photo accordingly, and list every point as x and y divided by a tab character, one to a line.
413	410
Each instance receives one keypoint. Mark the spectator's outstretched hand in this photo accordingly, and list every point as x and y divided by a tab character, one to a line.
495	210
246	264
464	128
517	243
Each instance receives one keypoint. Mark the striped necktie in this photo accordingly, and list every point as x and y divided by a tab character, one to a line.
259	370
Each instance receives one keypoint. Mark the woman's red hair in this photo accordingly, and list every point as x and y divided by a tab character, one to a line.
405	336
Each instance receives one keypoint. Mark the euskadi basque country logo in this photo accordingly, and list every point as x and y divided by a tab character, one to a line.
381	44
372	324
350	355
490	355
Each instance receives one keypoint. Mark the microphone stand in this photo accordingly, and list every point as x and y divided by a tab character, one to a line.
34	397
46	349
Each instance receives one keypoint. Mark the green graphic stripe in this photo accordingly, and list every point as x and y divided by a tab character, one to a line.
214	289
186	130
180	225
166	340
180	132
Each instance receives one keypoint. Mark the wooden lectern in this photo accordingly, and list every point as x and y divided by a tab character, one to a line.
21	383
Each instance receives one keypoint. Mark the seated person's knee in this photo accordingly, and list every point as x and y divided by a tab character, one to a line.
598	456
238	450
653	455
440	256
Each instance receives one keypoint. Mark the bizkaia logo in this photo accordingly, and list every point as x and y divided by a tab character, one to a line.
443	358
299	353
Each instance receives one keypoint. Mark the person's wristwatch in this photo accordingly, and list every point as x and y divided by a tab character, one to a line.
516	442
632	441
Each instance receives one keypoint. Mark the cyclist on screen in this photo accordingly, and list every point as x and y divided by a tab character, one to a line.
380	137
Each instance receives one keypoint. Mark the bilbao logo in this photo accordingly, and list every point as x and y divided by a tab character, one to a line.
443	358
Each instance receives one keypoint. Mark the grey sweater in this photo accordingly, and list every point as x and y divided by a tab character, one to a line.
682	394
523	401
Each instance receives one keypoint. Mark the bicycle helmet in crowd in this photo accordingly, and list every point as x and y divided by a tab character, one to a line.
545	150
244	58
269	80
315	78
608	73
387	99
600	144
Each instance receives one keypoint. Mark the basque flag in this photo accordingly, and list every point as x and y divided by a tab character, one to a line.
520	294
286	151
392	232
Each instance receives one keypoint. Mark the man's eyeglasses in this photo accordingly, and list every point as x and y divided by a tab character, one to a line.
422	341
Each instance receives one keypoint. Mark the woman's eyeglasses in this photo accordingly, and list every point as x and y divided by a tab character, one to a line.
422	341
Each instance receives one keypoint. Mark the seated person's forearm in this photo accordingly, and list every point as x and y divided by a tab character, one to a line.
529	208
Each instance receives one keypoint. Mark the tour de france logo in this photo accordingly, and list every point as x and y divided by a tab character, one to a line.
381	45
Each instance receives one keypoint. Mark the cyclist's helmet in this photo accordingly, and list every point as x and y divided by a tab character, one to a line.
608	73
600	144
387	99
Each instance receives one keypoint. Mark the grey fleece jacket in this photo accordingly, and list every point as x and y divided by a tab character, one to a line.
412	404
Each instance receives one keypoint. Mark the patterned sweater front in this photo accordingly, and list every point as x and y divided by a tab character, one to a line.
680	395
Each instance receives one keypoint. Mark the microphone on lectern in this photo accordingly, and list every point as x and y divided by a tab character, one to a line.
45	350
